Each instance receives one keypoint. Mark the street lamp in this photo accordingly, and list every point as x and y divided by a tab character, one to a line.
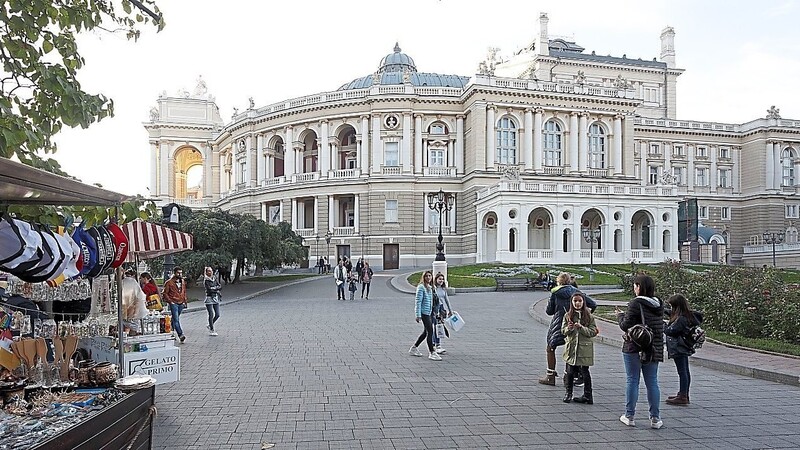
441	202
328	241
773	238
363	236
592	236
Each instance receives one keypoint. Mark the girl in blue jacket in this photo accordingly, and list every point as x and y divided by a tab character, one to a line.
424	302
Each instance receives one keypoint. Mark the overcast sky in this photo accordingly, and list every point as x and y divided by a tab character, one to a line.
740	57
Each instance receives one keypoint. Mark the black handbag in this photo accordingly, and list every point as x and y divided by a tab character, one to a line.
641	334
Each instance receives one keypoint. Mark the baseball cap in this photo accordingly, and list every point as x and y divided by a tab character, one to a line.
120	244
88	250
20	245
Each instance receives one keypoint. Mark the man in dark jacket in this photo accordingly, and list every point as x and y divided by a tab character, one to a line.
557	306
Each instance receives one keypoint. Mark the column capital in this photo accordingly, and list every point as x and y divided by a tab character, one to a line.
323	122
376	115
491	106
460	116
154	142
419	116
364	116
538	110
528	110
288	128
619	117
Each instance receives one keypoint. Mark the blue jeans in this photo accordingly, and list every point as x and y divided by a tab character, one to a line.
340	292
176	311
633	367
213	314
682	364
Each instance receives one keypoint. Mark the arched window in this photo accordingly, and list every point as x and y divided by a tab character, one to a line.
787	162
437	128
506	141
552	143
791	235
597	147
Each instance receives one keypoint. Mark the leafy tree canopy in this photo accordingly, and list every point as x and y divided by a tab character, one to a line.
39	90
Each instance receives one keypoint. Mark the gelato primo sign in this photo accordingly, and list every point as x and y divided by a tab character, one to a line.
164	368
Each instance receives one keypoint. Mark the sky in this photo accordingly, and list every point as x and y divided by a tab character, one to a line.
740	57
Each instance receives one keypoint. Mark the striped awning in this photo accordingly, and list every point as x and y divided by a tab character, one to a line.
148	240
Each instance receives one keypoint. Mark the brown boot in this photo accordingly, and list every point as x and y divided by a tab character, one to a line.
680	400
549	379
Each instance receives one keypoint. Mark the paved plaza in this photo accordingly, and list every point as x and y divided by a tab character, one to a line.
298	369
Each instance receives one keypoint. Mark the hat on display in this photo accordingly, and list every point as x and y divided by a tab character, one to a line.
120	244
69	268
66	250
101	253
20	245
88	250
43	272
108	244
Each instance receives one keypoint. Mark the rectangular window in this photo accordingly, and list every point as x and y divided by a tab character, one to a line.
701	152
702	212
725	213
650	94
653	175
437	129
436	158
680	175
391	154
243	172
724	178
792	212
391	211
655	149
701	176
724	153
679	150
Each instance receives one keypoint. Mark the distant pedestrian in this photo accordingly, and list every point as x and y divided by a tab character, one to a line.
327	265
678	332
175	296
441	309
352	285
359	266
579	329
340	276
321	265
348	264
424	302
366	279
642	361
213	299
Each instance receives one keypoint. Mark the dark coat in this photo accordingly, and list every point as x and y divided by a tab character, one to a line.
653	309
557	306
677	332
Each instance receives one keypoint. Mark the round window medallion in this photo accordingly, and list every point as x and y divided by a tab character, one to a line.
391	121
490	221
565	215
665	217
512	214
617	215
539	222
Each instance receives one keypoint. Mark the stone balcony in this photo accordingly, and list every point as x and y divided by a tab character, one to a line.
571	188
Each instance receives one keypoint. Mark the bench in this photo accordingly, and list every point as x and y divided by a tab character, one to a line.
544	285
512	283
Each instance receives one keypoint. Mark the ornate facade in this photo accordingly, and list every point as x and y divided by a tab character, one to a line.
536	149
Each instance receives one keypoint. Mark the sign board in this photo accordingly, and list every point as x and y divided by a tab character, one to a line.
161	360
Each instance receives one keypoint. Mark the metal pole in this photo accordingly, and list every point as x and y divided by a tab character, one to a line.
591	255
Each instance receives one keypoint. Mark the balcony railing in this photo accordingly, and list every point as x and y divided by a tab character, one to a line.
273	181
344	231
598	254
439	171
583	188
304	232
540	254
344	173
554	170
391	170
304	177
642	254
750	249
189	201
598	173
434	229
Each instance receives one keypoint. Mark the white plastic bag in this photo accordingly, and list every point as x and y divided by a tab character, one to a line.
455	322
440	332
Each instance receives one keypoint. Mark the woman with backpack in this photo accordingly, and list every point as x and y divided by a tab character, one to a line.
680	344
643	318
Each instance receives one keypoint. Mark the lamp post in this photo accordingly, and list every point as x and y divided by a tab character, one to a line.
328	241
363	237
591	235
441	202
773	238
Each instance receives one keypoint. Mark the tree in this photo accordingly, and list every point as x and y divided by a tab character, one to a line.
39	91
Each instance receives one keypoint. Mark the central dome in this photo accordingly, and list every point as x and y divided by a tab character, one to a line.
396	62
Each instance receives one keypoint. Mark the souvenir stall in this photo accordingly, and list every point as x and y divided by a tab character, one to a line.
48	400
152	351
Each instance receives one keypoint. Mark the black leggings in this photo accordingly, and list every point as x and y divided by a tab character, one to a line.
364	286
427	333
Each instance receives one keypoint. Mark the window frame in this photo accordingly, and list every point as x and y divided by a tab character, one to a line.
436	154
597	146
506	141
701	151
792	211
553	144
652	175
389	212
387	152
702	212
725	212
697	175
726	178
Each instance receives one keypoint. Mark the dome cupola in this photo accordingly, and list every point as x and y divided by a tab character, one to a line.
397	61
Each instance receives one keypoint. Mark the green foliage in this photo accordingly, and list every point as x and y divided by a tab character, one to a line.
138	208
39	91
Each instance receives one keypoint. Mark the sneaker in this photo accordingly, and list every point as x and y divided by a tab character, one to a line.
627	420
182	338
440	350
214	333
656	423
434	356
414	351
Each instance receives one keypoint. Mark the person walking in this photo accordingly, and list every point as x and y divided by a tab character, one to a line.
423	306
320	266
213	299
340	276
579	330
352	286
557	306
642	361
150	289
440	310
359	267
175	296
678	331
366	279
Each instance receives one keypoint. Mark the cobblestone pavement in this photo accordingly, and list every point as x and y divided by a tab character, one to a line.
299	369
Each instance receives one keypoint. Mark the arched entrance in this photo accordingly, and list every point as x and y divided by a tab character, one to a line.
346	155
188	161
641	236
275	162
593	220
539	222
489	233
309	154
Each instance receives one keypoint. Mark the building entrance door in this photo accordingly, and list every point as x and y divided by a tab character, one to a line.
342	250
391	256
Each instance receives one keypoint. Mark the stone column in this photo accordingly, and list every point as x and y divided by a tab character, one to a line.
712	172
537	140
356	216
377	148
778	166
330	213
583	148
617	146
288	154
770	166
667	157
216	170
316	217
324	151
205	150
364	163
334	155
248	161
573	142
260	161
405	144
459	156
736	153
690	175
490	136
645	168
153	168
527	141
418	143
164	157
294	214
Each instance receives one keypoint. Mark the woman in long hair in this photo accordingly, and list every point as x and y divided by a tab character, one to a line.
579	329
212	299
424	304
680	326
